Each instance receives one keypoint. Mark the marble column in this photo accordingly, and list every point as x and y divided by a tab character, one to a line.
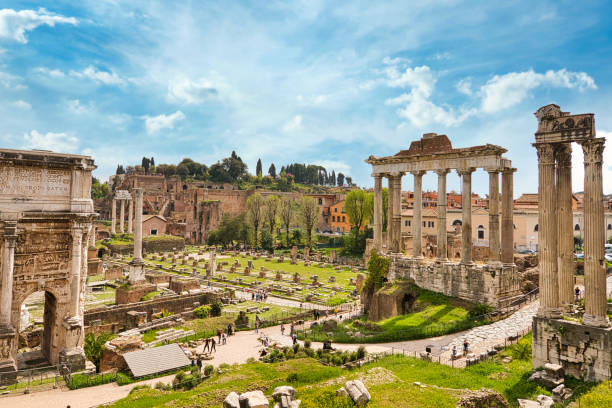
494	246
397	213
75	271
138	225
441	255
595	303
130	215
114	216
565	221
417	215
507	227
92	237
547	230
466	216
8	264
122	217
378	203
389	213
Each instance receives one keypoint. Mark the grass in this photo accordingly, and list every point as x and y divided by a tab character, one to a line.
150	295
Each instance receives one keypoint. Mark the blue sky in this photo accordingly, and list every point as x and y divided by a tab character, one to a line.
324	82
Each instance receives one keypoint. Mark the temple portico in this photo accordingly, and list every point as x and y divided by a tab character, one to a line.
121	196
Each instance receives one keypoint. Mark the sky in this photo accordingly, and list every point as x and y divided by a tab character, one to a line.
319	82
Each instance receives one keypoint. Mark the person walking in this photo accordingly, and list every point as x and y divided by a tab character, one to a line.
206	345
282	329
256	326
219	336
199	365
454	352
229	329
465	347
294	337
224	337
212	345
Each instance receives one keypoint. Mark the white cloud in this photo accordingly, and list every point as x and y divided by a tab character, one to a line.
107	78
464	86
293	124
578	165
54	73
190	92
57	142
154	124
22	105
338	166
75	106
504	91
14	24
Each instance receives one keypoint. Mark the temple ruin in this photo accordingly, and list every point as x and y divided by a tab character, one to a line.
584	349
46	216
495	282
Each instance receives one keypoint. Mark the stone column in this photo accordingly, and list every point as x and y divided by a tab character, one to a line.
122	217
8	264
92	237
594	236
565	224
466	217
138	226
114	217
547	230
397	213
378	203
130	215
494	246
507	233
389	213
417	217
75	271
441	255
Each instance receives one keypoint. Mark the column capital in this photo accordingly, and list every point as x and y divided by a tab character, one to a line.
442	172
507	170
593	150
10	230
396	174
492	170
377	175
137	191
546	152
418	173
465	171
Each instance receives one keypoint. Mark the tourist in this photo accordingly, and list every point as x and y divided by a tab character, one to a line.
465	347
263	352
224	337
282	329
454	352
292	329
212	345
294	337
192	362
229	329
577	291
199	365
206	344
219	336
256	326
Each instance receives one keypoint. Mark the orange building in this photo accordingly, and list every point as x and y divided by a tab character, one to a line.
339	218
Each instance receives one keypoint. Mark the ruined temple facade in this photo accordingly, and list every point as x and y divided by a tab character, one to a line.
584	348
46	216
495	282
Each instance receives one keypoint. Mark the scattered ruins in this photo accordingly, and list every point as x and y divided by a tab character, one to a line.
583	348
46	217
495	282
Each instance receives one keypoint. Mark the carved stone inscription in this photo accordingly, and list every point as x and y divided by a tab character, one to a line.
41	255
27	181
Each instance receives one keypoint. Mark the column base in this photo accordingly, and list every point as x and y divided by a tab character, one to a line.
8	365
137	271
442	260
73	358
72	322
595	321
549	313
467	263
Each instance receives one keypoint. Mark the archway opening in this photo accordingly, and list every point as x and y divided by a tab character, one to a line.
37	330
407	303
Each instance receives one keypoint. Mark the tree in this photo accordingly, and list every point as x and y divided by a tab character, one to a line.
309	215
219	174
120	169
98	190
287	214
340	179
270	212
349	181
255	214
235	167
152	162
258	170
146	163
94	348
272	171
332	179
358	205
230	230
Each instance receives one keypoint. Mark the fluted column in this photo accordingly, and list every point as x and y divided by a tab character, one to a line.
441	255
378	203
397	213
122	217
594	236
547	223
130	215
507	228
494	246
390	213
138	225
92	237
565	221
114	216
75	270
466	217
417	215
8	264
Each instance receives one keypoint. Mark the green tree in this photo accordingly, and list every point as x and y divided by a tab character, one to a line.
272	171
270	212
255	214
98	190
235	167
219	174
258	170
231	229
94	348
309	215
358	205
287	214
340	179
332	179
377	272
120	169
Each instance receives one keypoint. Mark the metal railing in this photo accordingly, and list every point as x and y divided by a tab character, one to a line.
31	380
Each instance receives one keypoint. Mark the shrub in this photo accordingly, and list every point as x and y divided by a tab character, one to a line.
216	308
309	352
202	311
361	352
522	350
140	387
296	347
208	369
292	377
307	343
480	309
161	386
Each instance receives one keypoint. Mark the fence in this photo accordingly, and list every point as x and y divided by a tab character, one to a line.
30	380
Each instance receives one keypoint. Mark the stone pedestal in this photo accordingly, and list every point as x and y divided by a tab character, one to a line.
8	336
73	358
137	271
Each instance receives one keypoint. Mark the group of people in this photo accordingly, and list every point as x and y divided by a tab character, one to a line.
466	349
259	295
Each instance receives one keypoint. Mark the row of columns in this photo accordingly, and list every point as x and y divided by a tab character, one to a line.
394	214
122	216
556	232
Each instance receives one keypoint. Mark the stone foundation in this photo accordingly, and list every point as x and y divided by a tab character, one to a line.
583	351
391	300
180	285
496	285
132	293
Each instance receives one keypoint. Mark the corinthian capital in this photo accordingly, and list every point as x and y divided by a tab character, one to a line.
593	150
546	153
563	153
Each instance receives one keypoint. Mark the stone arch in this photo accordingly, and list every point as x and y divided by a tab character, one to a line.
481	232
457	223
577	227
535	229
609	227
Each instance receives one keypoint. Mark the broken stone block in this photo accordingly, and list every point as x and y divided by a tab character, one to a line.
253	399
358	392
284	390
341	392
545	401
523	403
231	401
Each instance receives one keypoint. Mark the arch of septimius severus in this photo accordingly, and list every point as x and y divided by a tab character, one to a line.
583	348
496	282
46	216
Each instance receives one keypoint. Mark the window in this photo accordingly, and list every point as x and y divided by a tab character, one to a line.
480	232
343	218
153	232
577	227
335	209
535	229
423	224
407	223
320	201
337	229
609	227
333	218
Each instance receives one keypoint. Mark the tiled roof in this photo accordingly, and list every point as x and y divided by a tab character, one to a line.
156	360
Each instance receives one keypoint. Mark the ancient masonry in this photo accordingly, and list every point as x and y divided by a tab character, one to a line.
584	350
495	283
45	222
